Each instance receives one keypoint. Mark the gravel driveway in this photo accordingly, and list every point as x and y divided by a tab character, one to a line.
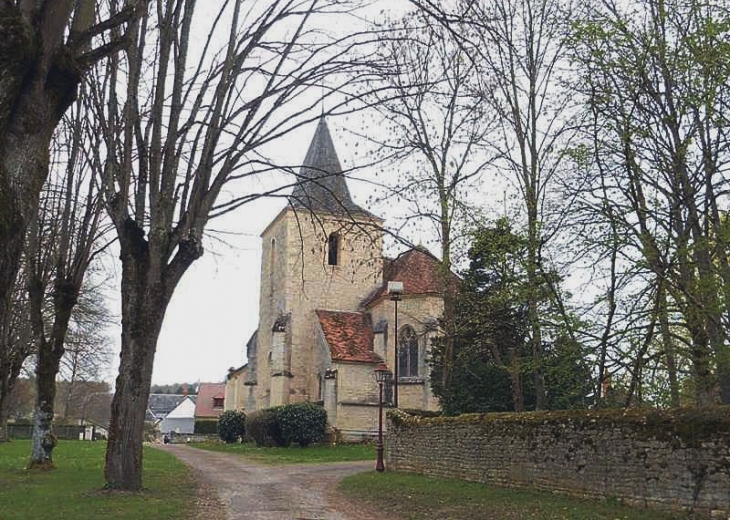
253	491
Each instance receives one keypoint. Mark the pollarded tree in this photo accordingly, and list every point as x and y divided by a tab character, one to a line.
62	242
183	125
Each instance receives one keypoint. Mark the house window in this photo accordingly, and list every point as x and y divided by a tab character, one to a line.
217	402
407	352
333	249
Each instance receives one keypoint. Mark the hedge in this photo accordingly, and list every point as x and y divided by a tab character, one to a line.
205	426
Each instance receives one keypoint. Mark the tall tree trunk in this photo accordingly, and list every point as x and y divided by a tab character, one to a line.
43	441
48	361
533	315
518	397
668	344
144	302
38	83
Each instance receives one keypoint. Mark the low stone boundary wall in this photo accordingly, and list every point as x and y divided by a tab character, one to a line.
677	459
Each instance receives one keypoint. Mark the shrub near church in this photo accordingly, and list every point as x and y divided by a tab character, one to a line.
296	423
231	426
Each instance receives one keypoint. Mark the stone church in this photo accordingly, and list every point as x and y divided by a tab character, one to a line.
326	320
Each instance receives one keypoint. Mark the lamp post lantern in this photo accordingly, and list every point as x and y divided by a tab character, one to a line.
381	376
395	290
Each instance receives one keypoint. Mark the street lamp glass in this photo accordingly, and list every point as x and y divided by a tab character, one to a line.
395	288
382	374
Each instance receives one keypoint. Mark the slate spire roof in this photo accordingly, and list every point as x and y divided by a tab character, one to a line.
321	183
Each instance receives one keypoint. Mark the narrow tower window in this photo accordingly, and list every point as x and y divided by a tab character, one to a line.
333	248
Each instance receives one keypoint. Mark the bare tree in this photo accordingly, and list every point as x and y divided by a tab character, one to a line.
45	48
185	128
518	46
62	242
16	348
436	127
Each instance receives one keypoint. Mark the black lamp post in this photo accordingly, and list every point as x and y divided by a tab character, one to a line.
395	290
381	376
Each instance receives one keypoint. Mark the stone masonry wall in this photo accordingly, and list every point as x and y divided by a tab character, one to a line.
411	311
296	280
668	460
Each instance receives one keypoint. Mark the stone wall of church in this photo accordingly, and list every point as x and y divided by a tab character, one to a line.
411	312
296	279
236	392
357	400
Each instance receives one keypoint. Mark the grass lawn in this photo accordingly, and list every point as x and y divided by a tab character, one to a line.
411	496
294	454
74	489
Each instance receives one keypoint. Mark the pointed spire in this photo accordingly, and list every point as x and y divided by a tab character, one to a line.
322	186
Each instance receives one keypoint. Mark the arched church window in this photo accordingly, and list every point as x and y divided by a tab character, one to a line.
407	352
333	249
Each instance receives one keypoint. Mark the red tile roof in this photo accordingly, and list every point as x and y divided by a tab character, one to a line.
349	336
207	392
419	272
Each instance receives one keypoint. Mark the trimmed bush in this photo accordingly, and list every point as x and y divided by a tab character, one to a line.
263	427
302	423
231	426
205	426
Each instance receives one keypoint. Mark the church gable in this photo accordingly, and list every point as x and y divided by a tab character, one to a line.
349	336
419	272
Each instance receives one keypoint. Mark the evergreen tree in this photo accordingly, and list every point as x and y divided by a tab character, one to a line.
493	360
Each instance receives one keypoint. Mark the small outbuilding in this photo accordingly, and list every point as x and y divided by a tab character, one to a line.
181	419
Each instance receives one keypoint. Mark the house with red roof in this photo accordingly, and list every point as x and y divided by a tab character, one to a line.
326	320
210	402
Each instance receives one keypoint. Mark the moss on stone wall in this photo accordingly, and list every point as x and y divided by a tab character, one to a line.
688	426
671	459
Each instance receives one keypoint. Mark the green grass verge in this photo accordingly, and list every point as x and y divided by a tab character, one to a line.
410	496
294	454
74	489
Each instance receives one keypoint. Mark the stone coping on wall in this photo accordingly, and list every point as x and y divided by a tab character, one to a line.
674	459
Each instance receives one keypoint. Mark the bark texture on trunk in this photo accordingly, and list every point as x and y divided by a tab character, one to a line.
38	81
144	302
43	441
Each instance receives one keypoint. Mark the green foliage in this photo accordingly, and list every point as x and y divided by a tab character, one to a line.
263	427
302	423
231	426
494	367
205	426
298	423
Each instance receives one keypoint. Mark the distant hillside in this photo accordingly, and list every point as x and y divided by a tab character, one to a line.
175	388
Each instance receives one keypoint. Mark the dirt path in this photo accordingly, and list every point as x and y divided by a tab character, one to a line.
256	492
